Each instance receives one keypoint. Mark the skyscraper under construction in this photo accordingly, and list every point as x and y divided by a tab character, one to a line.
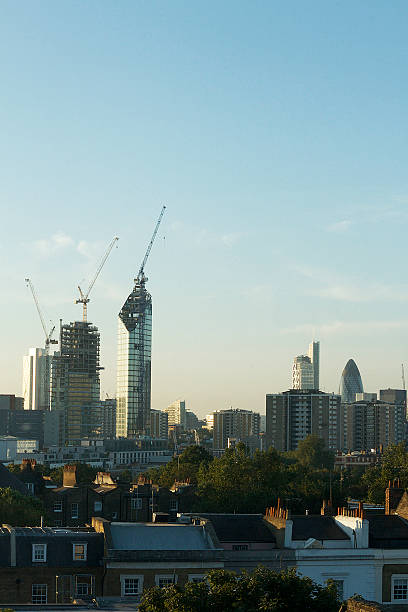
75	381
133	391
134	363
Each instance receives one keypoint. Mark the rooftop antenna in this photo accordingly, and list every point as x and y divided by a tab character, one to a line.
84	298
141	278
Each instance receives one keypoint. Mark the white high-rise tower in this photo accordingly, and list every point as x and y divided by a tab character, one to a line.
36	379
314	355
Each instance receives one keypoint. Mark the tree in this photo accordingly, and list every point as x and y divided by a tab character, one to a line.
84	473
20	510
181	468
312	453
262	590
394	464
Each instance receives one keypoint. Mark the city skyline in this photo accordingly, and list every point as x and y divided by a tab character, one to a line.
277	140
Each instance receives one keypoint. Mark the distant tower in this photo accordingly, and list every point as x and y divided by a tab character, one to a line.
133	389
302	373
75	376
350	382
36	379
314	355
134	363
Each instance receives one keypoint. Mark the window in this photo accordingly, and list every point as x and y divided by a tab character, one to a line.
240	547
74	510
39	593
196	578
30	487
163	580
131	585
97	506
39	552
340	588
79	552
82	588
174	505
136	503
58	506
399	589
58	523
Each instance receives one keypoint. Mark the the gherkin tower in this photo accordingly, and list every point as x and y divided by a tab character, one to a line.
350	382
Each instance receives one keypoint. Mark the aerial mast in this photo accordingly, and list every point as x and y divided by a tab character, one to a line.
141	279
84	298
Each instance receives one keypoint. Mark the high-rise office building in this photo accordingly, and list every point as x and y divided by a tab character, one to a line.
177	413
350	382
302	373
295	414
75	376
237	424
133	392
394	396
159	424
36	379
191	420
369	425
314	356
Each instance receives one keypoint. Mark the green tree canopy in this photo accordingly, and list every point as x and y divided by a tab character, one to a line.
262	590
20	510
181	468
84	473
312	453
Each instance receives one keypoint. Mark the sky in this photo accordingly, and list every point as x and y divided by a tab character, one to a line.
276	135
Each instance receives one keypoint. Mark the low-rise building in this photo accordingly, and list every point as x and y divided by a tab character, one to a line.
143	555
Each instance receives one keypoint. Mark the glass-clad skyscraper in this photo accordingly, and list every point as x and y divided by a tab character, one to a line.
134	362
350	382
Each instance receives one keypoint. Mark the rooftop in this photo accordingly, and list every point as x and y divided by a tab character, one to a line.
240	527
317	527
153	536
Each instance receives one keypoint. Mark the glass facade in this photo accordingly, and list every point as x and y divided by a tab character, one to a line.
350	382
134	363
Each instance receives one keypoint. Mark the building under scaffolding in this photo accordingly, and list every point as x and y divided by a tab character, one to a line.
134	363
75	379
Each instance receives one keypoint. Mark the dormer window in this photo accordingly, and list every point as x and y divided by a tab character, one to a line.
39	553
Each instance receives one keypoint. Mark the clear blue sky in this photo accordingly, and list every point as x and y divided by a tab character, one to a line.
275	132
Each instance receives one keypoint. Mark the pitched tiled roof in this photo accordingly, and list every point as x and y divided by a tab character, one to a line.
240	527
317	527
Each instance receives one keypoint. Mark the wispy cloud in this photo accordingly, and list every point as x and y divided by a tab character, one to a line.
230	239
340	227
341	327
57	242
325	284
202	236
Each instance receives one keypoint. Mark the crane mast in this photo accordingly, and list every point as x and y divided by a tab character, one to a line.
48	336
140	276
84	297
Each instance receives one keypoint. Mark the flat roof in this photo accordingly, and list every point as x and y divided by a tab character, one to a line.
153	536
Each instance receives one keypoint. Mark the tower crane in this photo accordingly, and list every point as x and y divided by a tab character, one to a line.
84	298
141	279
48	336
